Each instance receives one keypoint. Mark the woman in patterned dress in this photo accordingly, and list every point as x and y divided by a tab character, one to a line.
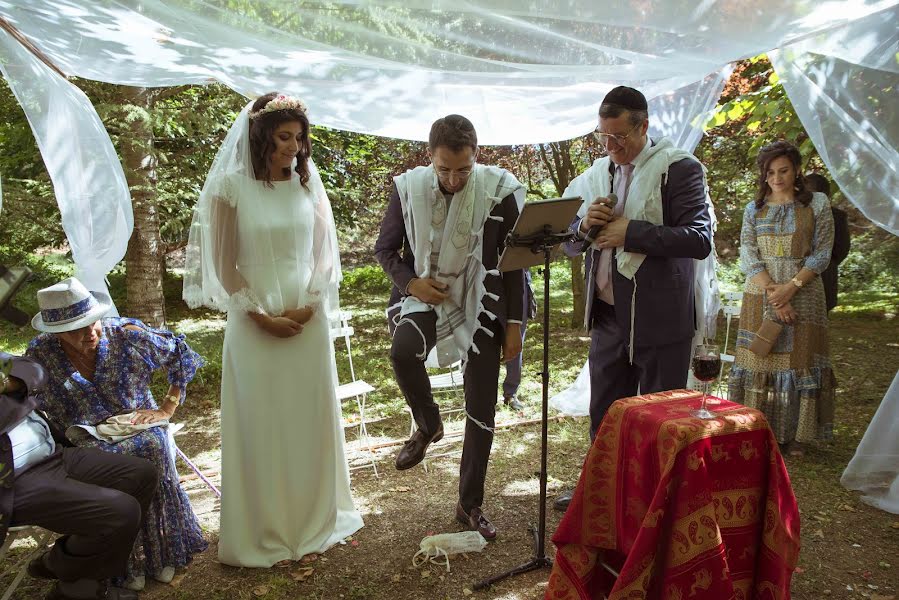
104	368
785	244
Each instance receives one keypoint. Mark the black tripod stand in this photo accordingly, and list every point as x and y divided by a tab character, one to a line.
541	242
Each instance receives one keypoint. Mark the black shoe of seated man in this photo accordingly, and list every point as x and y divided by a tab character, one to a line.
563	500
414	449
104	591
38	568
476	520
513	403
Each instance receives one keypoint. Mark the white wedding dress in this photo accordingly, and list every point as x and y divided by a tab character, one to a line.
285	481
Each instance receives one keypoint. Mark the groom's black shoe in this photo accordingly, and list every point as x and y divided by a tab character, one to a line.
414	449
476	520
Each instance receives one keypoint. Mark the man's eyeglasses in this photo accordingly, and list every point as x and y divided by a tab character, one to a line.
445	173
603	138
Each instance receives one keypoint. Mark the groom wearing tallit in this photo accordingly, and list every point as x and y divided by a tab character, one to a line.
640	307
440	243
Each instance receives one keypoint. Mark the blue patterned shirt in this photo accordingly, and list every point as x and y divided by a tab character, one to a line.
126	360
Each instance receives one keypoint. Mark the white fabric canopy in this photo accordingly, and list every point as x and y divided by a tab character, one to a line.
87	176
523	72
843	85
390	67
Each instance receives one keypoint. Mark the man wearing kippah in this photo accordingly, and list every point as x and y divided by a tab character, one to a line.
639	269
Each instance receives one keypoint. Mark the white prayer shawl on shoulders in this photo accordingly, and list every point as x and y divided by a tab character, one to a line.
457	261
644	203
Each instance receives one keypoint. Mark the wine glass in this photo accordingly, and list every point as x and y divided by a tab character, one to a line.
706	366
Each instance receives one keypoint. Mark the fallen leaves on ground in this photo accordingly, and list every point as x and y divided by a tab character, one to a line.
302	574
260	590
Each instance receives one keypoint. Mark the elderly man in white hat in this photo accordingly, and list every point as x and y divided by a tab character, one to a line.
99	372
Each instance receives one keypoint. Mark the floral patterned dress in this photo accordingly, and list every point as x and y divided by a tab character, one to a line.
126	360
794	384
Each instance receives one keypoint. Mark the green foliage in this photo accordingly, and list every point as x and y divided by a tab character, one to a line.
764	110
730	277
368	278
872	263
357	171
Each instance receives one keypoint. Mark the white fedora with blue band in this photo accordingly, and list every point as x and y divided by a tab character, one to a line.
68	305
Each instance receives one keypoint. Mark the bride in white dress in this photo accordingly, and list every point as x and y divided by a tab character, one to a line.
263	247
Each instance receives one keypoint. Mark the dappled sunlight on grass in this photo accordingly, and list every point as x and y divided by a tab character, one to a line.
868	303
522	487
200	326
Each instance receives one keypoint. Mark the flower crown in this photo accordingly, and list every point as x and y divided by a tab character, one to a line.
280	102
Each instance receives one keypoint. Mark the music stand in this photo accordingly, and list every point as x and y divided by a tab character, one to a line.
540	227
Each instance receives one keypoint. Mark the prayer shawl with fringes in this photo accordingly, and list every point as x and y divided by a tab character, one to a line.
644	202
458	262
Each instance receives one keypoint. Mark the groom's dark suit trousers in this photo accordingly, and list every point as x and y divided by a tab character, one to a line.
415	335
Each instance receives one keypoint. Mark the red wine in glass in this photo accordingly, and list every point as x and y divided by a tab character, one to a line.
706	366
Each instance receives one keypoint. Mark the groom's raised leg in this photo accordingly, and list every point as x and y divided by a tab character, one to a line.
481	379
413	338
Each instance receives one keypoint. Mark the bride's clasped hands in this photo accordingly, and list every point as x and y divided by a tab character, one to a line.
286	325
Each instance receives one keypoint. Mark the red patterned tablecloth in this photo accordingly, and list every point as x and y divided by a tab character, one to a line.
682	508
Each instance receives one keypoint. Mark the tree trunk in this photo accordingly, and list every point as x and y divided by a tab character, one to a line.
144	261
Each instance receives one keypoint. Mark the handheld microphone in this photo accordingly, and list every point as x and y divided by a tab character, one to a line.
611	201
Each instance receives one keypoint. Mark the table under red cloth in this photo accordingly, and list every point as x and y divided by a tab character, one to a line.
682	508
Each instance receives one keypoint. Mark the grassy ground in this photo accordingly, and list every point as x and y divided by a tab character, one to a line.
849	550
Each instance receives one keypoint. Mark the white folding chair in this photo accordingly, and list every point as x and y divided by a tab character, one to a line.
731	302
43	537
356	389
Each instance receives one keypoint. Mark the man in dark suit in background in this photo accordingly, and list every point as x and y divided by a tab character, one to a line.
830	277
96	499
639	271
440	243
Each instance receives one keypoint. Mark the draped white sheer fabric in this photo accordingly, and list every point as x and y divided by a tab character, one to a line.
87	176
874	469
843	85
213	275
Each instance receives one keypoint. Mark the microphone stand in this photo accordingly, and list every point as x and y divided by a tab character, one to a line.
540	242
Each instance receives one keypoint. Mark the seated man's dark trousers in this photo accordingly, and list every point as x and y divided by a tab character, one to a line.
96	499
